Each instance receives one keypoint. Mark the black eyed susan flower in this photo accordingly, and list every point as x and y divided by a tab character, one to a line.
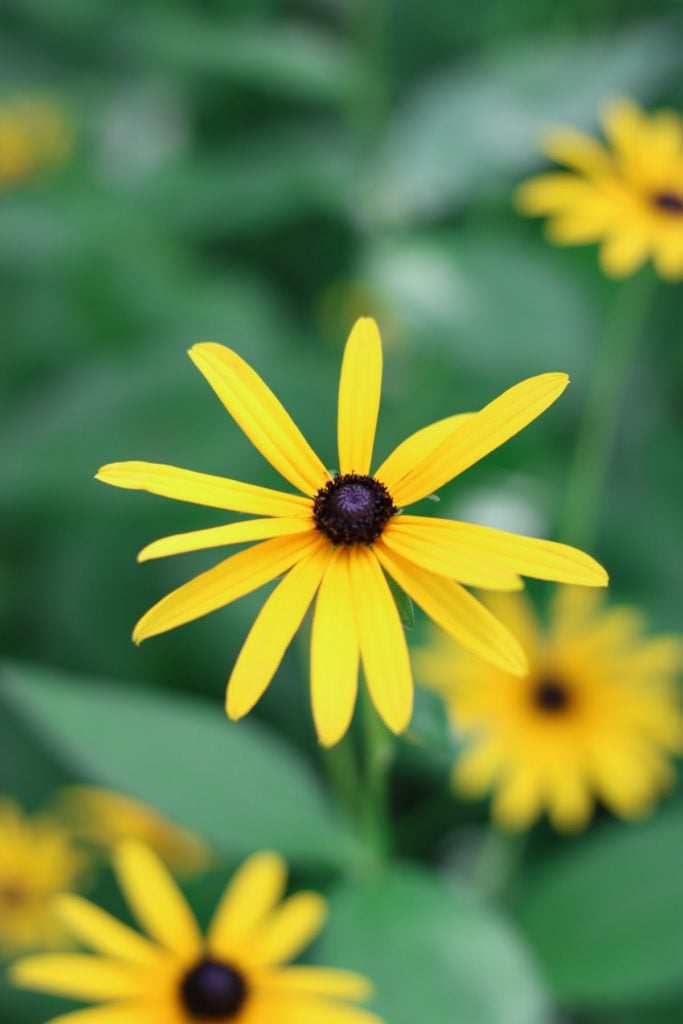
37	860
628	196
175	975
597	717
342	533
105	818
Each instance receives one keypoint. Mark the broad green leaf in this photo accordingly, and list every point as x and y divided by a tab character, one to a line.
238	785
606	918
479	125
435	953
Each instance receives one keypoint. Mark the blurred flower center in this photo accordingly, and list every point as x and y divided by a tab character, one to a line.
669	202
13	896
552	696
353	509
213	991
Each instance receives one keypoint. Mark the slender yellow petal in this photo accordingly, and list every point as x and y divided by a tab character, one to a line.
260	415
359	393
431	546
579	151
334	652
529	556
624	252
318	981
156	900
230	579
288	931
416	447
79	976
482	433
382	641
203	489
253	893
102	932
306	1010
118	1013
456	611
216	536
518	800
272	632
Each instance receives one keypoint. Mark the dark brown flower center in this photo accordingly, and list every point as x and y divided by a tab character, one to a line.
213	991
353	509
669	202
551	696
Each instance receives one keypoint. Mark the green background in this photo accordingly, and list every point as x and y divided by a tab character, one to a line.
260	173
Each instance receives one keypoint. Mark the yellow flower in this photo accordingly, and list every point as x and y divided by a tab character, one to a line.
343	532
175	975
105	818
598	716
34	133
37	861
628	196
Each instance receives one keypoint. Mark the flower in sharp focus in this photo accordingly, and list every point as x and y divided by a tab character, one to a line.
174	974
598	717
628	195
105	818
343	532
37	861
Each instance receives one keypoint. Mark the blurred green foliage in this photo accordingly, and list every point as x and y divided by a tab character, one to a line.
259	173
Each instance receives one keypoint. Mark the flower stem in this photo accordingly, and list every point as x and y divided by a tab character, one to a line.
499	858
600	418
379	754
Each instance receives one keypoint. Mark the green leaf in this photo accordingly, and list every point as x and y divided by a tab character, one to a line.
476	126
434	952
240	786
403	603
606	918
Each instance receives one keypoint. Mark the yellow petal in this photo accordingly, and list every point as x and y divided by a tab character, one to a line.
272	632
518	800
255	890
416	447
482	433
102	932
553	192
624	253
625	125
430	544
359	393
517	612
79	976
570	802
260	415
155	900
319	981
529	556
456	611
203	489
334	652
216	536
306	1010
288	931
382	641
130	1013
668	256
230	579
578	150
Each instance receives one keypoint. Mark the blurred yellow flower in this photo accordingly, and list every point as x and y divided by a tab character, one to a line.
37	861
598	716
34	134
176	976
105	818
343	532
627	196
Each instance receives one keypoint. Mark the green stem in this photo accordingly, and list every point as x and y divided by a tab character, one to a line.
379	754
342	771
600	418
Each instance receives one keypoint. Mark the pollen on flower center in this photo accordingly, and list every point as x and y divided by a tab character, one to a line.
669	202
552	696
353	509
213	991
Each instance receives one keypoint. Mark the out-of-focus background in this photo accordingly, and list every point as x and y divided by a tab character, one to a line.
259	173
